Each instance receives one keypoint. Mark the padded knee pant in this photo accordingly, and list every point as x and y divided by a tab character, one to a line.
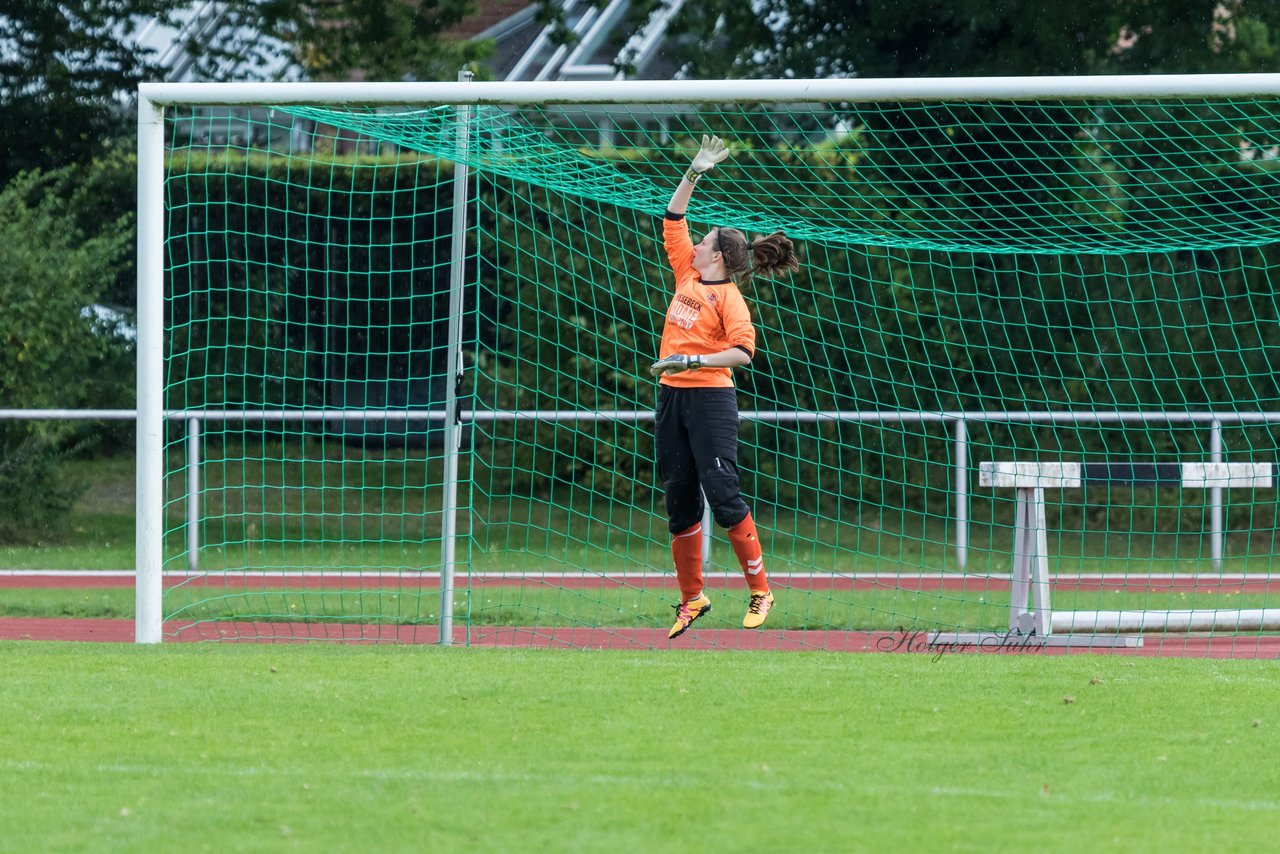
696	433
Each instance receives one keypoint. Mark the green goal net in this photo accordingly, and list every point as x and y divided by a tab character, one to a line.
1023	387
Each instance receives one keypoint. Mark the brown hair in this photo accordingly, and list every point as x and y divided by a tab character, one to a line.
771	255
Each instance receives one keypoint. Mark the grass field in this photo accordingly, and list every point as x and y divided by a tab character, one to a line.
266	748
286	747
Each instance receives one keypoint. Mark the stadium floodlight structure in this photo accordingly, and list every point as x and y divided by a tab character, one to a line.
395	333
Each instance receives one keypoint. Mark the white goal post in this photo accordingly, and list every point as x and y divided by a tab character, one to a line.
154	98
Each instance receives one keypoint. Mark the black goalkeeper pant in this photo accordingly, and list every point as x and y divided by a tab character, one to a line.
696	433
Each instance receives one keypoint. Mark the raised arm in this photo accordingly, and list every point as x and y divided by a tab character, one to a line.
713	150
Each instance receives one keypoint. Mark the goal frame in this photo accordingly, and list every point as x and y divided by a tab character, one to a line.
154	98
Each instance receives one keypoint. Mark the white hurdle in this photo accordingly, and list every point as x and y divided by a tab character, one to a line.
1030	612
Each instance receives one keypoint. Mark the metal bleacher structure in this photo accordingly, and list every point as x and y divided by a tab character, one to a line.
601	45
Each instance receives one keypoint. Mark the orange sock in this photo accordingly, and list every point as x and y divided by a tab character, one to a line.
746	545
686	550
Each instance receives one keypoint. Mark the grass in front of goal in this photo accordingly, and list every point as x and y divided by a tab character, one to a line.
314	747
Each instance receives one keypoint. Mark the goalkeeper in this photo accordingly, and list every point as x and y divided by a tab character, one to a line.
708	332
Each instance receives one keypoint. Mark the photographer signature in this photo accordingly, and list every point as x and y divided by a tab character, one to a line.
918	640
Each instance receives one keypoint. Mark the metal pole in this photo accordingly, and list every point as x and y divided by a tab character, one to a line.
962	493
1024	539
149	530
193	494
292	416
453	372
1215	497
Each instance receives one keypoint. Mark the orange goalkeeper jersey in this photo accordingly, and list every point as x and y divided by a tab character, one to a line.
704	317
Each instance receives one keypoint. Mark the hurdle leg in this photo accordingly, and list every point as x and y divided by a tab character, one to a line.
1020	569
1040	566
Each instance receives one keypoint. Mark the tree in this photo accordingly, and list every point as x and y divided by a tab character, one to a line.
68	72
50	271
62	68
913	38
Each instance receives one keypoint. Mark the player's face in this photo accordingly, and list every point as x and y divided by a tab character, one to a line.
708	250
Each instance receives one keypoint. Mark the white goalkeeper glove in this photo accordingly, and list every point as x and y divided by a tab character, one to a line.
674	364
712	152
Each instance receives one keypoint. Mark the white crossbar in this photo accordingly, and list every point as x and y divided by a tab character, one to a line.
1037	475
1226	475
1029	475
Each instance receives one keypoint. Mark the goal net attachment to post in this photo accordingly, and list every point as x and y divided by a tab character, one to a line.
393	345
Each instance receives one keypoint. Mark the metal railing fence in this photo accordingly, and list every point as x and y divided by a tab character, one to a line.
961	420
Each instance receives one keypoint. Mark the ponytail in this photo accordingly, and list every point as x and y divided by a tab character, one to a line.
770	255
773	255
